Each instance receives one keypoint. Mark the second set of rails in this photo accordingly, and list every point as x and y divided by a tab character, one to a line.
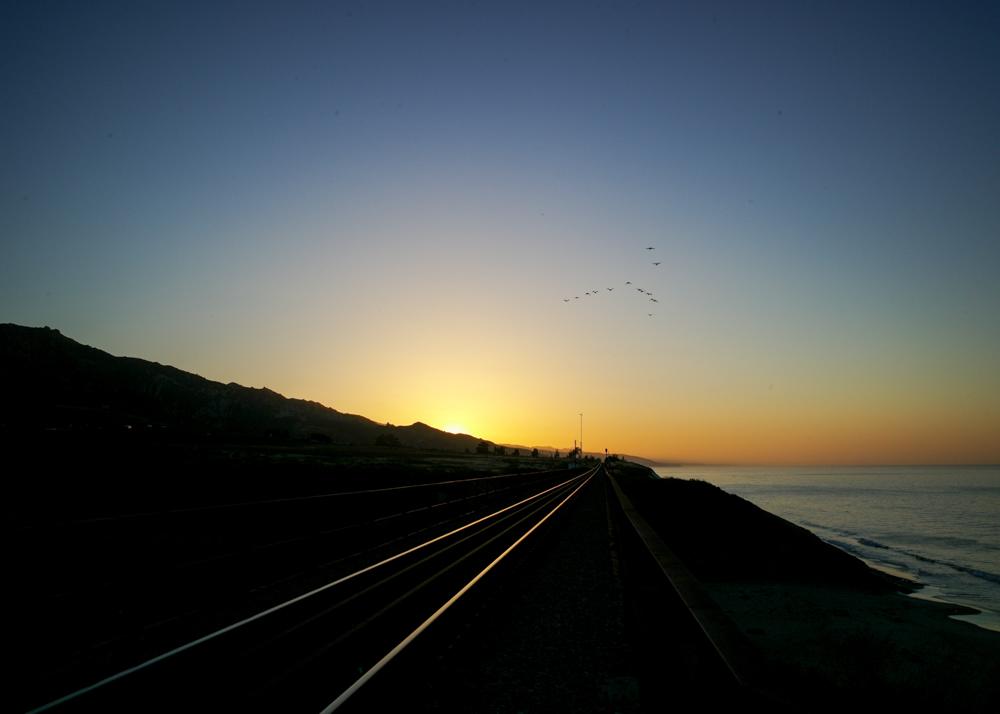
250	608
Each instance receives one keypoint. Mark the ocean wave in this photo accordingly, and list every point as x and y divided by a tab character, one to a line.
992	577
958	567
974	572
831	529
955	542
857	545
968	544
881	560
968	570
873	543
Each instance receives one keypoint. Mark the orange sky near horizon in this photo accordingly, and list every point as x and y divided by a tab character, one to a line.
641	393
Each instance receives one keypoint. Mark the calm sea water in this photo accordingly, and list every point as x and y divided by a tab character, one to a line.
937	525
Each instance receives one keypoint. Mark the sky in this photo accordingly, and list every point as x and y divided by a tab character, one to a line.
384	206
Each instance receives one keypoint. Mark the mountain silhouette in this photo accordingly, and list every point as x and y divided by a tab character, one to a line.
51	382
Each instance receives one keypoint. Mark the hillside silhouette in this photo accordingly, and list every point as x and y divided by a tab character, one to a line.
53	383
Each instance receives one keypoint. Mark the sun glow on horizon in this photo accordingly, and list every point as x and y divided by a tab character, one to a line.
453	428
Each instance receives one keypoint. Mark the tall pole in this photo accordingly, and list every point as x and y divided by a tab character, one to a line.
581	435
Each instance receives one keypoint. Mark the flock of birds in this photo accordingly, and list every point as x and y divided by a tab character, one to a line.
628	283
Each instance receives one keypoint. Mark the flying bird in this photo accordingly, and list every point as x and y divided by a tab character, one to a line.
650	248
655	263
628	282
610	289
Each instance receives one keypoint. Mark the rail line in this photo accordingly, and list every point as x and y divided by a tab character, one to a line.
448	509
477	538
406	641
276	501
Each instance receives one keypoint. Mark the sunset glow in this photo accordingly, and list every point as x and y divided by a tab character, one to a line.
730	236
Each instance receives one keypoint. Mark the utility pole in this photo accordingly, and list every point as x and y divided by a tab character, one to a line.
581	435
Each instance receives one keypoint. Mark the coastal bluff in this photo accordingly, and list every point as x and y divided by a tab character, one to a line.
830	631
721	537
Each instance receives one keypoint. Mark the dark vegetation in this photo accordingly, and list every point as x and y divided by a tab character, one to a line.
722	537
121	550
70	476
51	383
86	433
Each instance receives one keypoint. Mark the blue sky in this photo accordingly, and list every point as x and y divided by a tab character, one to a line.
275	194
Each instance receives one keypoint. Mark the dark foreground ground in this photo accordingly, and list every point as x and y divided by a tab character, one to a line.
118	550
576	623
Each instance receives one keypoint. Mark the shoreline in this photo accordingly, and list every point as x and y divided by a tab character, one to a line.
964	612
831	629
977	617
948	579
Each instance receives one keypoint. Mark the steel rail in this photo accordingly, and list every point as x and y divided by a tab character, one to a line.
720	633
284	543
272	501
389	656
281	606
529	512
341	529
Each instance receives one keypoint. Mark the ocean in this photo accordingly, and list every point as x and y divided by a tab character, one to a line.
937	525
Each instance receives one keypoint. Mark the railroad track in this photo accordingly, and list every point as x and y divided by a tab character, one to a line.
332	604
